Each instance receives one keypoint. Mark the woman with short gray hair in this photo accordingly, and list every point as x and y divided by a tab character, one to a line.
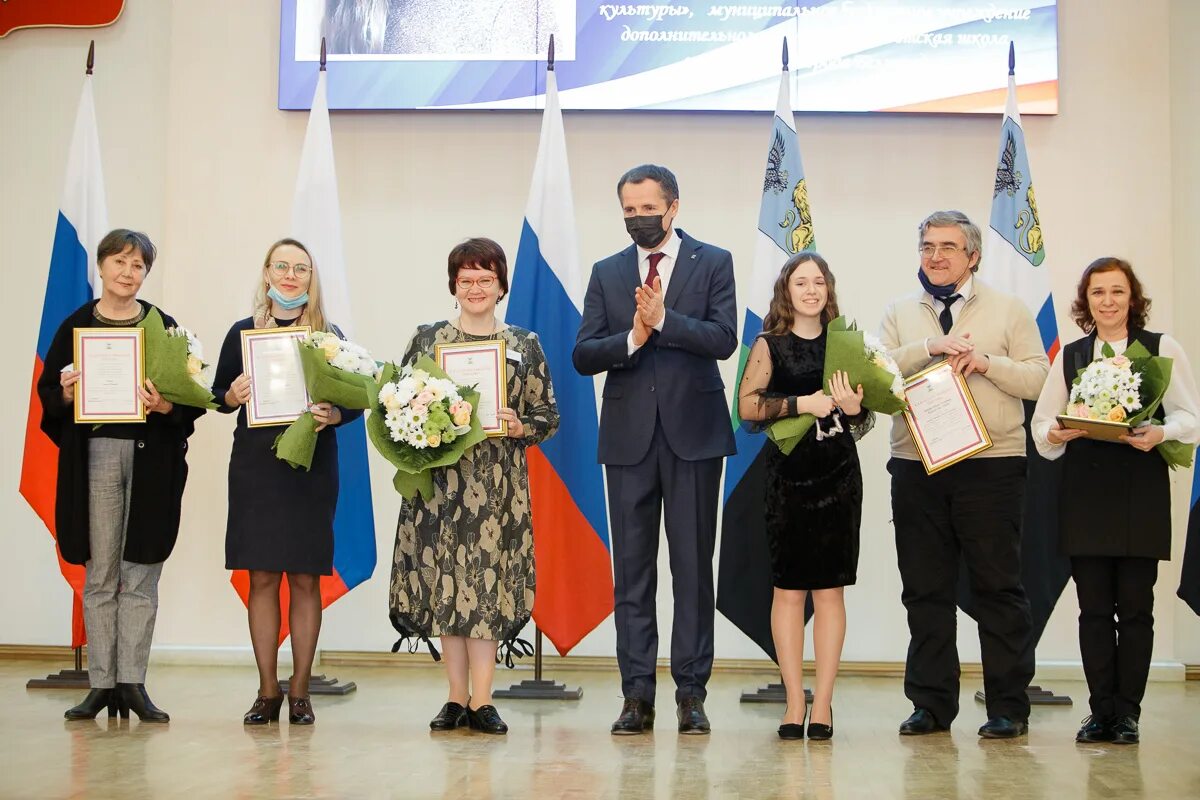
119	490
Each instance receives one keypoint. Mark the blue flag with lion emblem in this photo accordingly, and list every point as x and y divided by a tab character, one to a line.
785	227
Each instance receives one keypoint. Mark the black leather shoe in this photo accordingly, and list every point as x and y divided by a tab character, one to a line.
636	716
792	730
1095	730
95	702
450	717
1003	728
692	719
486	719
1125	731
264	710
819	731
133	697
300	711
920	723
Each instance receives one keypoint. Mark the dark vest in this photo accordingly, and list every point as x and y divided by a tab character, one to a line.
1115	500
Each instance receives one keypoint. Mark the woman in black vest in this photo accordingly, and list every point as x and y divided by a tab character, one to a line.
1115	500
118	490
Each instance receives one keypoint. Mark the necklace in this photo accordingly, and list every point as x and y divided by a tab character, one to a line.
119	323
495	327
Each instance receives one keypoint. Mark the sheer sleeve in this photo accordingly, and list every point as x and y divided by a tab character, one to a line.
861	423
755	403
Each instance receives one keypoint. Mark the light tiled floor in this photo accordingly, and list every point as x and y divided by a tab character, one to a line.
376	743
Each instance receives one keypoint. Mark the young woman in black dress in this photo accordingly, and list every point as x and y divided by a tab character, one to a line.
280	519
814	494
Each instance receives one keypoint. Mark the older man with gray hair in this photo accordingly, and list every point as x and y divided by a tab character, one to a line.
969	512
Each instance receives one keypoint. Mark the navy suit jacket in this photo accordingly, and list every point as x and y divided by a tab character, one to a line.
674	375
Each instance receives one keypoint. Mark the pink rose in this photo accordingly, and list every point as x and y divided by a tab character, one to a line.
418	408
1120	361
424	398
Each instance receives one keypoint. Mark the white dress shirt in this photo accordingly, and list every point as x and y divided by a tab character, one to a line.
666	265
1180	405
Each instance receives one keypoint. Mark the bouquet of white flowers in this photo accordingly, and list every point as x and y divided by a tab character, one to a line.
1127	390
866	362
175	363
421	420
1107	389
335	371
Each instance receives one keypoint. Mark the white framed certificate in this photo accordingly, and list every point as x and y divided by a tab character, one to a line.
481	366
271	359
942	418
112	365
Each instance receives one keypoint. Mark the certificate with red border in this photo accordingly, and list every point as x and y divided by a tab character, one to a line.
942	418
112	365
481	366
271	359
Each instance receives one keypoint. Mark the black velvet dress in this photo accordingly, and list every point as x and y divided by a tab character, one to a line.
813	495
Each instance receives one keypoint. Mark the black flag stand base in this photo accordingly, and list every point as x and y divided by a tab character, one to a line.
64	679
1037	697
772	693
319	684
538	688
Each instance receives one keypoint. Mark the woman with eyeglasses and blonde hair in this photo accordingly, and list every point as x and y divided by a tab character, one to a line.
280	519
463	566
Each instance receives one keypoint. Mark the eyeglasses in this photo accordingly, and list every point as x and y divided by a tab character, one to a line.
281	268
486	282
935	250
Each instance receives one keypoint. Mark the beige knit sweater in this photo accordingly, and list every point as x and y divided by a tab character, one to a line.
1002	329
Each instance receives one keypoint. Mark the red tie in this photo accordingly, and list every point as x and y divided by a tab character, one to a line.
652	273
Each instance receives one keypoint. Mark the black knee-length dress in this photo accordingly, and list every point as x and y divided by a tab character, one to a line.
280	518
813	495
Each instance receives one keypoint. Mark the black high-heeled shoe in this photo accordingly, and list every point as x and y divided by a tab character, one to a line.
264	710
819	731
790	730
93	704
132	696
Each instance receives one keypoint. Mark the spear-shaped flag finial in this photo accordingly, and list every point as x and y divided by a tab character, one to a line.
785	55
550	55
1012	59
322	54
91	62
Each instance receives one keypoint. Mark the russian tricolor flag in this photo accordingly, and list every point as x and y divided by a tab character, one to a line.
570	534
82	222
317	222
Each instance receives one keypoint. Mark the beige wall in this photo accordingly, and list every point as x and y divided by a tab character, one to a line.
196	153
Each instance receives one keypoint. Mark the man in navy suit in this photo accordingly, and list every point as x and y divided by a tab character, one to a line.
657	317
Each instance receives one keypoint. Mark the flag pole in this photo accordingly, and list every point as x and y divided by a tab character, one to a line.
539	688
1039	474
76	678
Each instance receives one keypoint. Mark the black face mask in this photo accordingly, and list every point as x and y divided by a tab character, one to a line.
647	231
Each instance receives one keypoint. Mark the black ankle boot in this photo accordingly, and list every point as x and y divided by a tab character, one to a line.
132	696
93	704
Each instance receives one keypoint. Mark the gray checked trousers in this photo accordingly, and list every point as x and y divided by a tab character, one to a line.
120	598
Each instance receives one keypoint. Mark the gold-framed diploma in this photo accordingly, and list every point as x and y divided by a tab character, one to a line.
271	359
1100	429
942	418
112	366
480	365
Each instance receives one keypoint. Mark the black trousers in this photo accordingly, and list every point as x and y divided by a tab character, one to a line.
1116	630
637	496
970	512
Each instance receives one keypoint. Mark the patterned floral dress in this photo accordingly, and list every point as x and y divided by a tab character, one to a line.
463	564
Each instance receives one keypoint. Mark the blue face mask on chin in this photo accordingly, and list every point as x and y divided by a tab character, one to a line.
286	303
937	291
